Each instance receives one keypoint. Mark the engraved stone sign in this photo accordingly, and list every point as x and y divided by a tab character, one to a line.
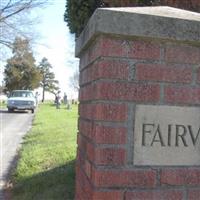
167	135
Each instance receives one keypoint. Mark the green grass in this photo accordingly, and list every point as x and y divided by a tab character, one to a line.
45	169
3	104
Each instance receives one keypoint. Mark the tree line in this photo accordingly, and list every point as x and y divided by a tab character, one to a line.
16	36
22	73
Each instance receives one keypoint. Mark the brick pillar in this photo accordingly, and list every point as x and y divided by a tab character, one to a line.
131	58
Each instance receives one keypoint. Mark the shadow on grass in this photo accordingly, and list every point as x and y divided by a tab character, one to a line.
52	105
54	184
36	123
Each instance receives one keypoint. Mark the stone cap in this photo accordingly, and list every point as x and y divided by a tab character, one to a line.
160	22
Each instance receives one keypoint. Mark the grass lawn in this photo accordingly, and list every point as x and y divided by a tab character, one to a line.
2	104
45	170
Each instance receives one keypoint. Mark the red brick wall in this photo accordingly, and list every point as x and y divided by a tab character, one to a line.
193	5
115	75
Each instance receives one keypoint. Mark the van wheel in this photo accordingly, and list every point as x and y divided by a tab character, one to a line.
10	110
32	110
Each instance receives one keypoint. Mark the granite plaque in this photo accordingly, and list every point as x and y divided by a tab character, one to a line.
167	136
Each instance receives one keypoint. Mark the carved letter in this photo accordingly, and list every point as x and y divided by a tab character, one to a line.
169	134
194	139
144	131
181	135
160	139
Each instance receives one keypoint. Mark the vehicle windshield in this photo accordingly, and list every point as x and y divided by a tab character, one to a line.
21	94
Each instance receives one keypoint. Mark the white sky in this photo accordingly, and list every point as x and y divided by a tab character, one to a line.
58	43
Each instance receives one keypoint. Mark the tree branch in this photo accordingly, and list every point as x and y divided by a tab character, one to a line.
6	43
24	6
6	7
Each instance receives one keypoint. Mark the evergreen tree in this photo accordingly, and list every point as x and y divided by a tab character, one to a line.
48	82
20	71
78	12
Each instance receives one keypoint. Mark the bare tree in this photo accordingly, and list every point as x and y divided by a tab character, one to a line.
16	20
74	81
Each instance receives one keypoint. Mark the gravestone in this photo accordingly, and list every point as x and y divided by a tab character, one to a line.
139	112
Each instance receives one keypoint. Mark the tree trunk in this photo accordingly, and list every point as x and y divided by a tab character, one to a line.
43	92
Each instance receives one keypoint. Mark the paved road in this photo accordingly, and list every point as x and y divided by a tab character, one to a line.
13	126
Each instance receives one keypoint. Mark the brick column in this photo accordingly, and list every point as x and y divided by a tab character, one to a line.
130	57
